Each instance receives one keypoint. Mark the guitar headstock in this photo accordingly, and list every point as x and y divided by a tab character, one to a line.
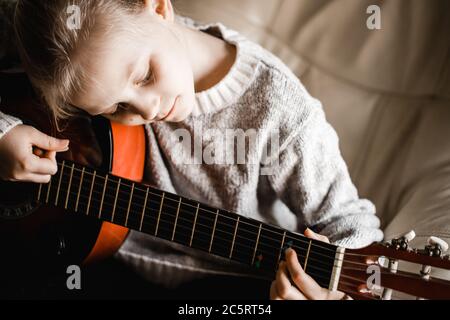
377	271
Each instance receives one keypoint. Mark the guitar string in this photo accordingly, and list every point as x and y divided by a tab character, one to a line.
180	228
195	207
251	247
243	222
166	214
264	251
205	217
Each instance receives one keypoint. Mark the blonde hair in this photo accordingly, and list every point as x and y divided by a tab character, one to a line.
48	46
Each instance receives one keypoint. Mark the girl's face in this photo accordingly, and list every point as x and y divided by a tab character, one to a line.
138	77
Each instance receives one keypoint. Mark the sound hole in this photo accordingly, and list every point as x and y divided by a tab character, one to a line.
17	199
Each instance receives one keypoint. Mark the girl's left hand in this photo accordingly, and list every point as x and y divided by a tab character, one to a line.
292	282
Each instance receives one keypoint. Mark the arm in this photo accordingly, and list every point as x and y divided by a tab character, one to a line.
313	179
17	141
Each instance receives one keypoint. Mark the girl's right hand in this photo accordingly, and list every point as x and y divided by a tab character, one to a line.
29	155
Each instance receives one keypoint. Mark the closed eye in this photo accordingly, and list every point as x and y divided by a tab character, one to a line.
148	78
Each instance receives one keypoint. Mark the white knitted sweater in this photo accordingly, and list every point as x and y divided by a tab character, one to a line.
305	183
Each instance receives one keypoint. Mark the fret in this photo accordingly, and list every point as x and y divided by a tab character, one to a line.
268	257
59	183
195	222
69	187
79	189
143	209
159	214
103	197
223	236
337	267
176	218
245	242
321	256
90	193
185	222
129	204
234	237
168	217
115	199
204	224
282	247
256	245
214	231
307	255
48	190
39	193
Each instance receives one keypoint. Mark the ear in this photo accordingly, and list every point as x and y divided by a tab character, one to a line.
161	8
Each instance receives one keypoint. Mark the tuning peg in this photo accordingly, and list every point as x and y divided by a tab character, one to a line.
402	242
435	241
409	236
436	247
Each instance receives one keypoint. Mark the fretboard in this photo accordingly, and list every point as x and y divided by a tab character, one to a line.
188	222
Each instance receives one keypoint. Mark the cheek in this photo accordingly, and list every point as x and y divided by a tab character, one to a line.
176	76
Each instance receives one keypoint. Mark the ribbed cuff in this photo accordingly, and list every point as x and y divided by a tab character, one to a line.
7	123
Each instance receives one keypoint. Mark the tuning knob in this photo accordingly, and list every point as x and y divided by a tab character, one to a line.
402	242
409	236
437	246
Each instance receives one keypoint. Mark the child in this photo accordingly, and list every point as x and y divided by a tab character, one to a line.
135	62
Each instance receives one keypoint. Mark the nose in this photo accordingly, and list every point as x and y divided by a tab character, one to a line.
147	107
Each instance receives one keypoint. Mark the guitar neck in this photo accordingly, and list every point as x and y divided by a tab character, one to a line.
188	222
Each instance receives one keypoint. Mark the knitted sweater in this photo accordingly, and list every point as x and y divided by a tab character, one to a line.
287	169
302	181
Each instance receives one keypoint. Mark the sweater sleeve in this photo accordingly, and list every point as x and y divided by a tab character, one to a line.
312	179
7	123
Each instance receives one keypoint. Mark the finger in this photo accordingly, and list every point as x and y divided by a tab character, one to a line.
36	178
312	235
285	290
43	141
42	166
304	282
51	155
273	291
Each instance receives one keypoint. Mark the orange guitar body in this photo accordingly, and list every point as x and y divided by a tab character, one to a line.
127	162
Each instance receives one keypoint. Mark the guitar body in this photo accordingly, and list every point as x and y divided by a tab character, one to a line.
49	239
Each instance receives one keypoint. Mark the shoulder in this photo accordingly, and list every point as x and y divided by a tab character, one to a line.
271	94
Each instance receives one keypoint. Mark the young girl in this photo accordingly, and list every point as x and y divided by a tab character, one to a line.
135	62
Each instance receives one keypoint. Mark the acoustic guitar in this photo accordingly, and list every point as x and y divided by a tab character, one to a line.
84	213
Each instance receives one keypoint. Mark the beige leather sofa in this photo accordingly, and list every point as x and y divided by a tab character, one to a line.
386	92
